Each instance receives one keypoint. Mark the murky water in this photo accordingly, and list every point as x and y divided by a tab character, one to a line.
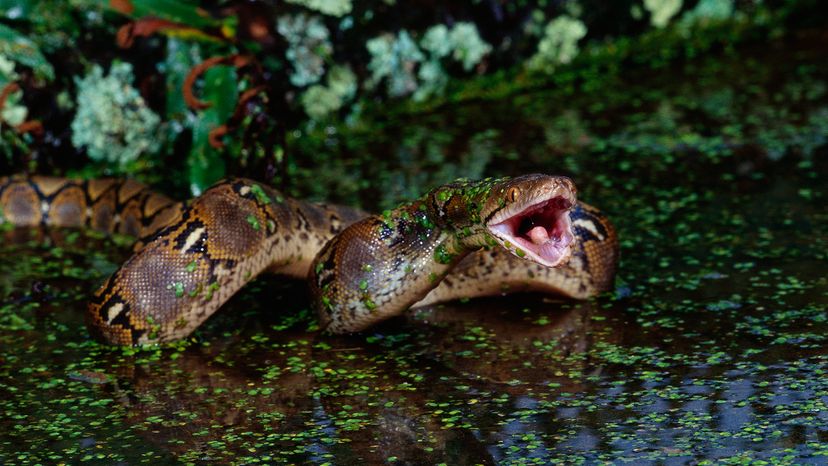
712	347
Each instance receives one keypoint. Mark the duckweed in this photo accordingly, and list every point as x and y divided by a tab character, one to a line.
710	350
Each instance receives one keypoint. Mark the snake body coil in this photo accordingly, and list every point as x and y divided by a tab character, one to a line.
461	240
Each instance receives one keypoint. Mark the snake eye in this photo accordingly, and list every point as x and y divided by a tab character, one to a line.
512	194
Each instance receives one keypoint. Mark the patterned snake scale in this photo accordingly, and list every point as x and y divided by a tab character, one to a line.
460	240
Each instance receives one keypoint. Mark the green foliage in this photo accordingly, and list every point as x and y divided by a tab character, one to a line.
205	164
186	12
52	24
13	112
18	48
180	57
308	61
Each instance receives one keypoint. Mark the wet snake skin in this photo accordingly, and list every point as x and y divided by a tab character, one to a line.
192	257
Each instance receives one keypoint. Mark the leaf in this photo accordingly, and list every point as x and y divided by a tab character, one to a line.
178	63
180	11
15	9
205	163
21	49
148	26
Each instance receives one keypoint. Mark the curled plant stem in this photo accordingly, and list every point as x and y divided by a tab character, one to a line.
6	91
122	6
145	27
214	138
243	99
192	101
219	132
30	126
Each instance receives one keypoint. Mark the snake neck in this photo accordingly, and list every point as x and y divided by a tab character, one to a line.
383	264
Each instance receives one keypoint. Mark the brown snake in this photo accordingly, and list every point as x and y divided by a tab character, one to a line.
463	239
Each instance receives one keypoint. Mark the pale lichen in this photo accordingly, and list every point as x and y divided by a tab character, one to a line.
319	101
708	10
309	47
559	44
396	58
433	79
326	7
436	41
13	112
467	47
661	11
535	24
342	81
112	121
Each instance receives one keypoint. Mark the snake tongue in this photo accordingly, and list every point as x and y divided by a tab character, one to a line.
538	235
542	232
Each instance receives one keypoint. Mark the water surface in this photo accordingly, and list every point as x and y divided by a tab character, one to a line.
712	347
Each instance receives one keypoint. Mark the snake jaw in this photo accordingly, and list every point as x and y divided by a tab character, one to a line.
540	232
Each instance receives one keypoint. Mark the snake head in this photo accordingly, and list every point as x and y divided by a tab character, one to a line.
531	218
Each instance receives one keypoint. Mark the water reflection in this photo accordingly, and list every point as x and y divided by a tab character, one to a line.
352	398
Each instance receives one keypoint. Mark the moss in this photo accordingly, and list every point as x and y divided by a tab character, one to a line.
442	255
260	194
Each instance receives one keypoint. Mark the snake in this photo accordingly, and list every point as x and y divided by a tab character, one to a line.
460	240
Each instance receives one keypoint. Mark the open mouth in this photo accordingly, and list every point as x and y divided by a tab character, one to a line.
541	232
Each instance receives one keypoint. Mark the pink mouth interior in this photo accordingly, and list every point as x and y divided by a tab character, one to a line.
542	230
